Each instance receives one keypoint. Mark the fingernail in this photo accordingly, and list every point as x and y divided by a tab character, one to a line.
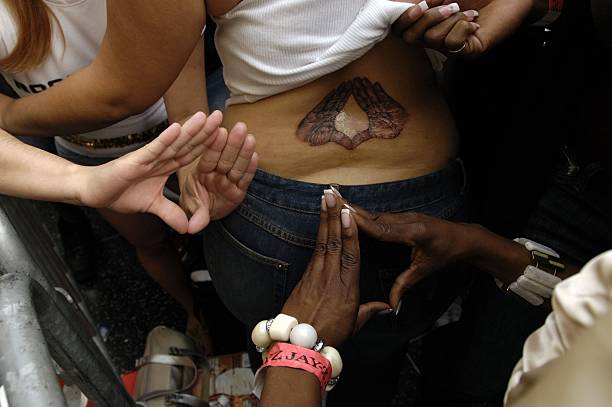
399	307
415	12
471	13
349	207
330	199
449	10
345	217
424	6
323	204
335	190
386	312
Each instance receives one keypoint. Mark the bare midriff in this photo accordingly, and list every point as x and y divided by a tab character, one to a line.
425	138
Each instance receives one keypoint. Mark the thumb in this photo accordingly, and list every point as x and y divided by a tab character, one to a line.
403	282
199	220
367	311
170	213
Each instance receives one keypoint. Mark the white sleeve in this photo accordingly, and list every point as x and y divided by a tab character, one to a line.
577	302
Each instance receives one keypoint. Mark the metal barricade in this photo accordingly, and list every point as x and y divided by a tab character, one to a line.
44	325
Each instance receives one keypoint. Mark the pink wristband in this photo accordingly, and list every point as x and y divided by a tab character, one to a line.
296	357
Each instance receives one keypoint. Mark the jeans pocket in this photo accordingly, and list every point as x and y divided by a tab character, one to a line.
252	285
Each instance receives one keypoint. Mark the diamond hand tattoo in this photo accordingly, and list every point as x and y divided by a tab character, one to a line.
386	116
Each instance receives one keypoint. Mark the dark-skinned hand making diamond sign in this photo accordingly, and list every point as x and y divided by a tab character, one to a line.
326	122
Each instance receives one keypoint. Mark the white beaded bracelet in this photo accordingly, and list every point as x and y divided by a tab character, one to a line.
281	327
285	328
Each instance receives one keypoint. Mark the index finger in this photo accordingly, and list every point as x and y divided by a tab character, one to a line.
416	31
388	227
412	15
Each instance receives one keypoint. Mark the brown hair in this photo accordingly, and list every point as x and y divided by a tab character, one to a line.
34	30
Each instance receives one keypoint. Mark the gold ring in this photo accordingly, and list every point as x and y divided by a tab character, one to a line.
456	51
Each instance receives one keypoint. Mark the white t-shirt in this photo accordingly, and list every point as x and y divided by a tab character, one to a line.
83	23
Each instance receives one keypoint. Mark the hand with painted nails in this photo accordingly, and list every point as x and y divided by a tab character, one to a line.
213	186
435	243
327	296
441	25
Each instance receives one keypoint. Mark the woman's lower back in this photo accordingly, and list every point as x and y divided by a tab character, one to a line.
379	119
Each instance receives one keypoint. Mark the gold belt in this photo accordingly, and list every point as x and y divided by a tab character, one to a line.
118	142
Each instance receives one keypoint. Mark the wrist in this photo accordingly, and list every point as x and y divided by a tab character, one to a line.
78	179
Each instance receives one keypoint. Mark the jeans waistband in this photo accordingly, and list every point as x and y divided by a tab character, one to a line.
395	196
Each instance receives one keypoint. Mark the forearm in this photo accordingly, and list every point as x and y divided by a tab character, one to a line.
502	258
187	95
146	44
28	172
290	387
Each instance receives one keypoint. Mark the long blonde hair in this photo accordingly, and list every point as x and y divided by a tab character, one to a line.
34	31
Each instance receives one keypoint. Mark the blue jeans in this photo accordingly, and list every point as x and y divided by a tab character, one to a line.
258	254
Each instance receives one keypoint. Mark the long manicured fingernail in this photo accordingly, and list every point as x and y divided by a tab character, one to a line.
345	217
330	198
449	10
350	208
386	312
335	191
471	14
399	308
424	6
323	204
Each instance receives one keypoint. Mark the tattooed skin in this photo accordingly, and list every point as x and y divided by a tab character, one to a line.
386	117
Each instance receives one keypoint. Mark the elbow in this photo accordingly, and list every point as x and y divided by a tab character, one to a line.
121	105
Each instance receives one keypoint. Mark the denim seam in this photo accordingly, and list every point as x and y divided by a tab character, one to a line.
269	261
275	230
283	206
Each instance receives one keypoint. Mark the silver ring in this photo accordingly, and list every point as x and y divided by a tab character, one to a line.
456	51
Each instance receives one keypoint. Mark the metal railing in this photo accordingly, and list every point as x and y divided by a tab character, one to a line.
44	325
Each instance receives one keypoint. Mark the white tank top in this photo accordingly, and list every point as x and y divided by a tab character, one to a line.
271	46
83	23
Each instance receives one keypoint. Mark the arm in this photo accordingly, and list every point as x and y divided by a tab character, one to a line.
493	22
146	44
327	297
437	244
132	183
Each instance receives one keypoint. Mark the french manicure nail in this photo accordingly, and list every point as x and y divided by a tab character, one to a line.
386	312
335	191
345	217
399	307
330	199
449	10
471	13
350	208
424	6
323	204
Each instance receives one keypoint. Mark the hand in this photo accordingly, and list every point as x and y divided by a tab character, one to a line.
496	20
327	296
319	126
386	117
435	243
217	183
135	182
